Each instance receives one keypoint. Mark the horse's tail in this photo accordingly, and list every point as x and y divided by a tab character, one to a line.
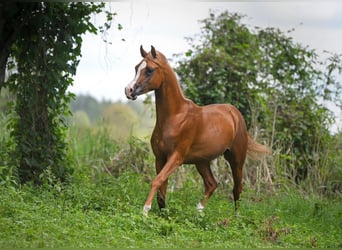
256	150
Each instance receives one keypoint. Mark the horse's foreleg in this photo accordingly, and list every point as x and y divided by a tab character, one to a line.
171	165
161	195
210	183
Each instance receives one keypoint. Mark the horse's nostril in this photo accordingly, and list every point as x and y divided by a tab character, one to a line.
128	91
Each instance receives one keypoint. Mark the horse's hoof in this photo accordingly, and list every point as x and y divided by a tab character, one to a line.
146	209
200	207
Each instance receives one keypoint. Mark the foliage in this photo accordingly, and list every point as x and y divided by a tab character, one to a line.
92	149
294	117
6	146
5	98
278	85
136	157
44	57
220	68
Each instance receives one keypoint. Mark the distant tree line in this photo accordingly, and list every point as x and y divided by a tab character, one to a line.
123	118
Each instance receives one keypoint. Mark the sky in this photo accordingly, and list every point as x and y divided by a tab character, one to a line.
105	70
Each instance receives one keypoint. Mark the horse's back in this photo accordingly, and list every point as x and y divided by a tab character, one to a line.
225	114
226	108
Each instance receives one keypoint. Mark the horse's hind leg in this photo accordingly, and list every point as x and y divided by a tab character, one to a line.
236	161
210	183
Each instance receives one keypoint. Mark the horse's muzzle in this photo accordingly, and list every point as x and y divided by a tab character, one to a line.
129	91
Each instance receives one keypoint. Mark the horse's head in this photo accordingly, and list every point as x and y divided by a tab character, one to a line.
148	74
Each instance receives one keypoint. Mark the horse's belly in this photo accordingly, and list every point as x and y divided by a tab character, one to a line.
207	152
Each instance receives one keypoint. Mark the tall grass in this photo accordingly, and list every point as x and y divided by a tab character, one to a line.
323	175
98	150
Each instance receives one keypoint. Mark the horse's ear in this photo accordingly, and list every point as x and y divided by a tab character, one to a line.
143	52
153	52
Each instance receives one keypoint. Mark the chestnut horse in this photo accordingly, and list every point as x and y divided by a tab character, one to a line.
187	133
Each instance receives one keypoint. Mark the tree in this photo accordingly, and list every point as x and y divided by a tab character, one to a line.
277	84
222	65
293	87
43	41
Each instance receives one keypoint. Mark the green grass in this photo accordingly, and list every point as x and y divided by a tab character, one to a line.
108	213
97	209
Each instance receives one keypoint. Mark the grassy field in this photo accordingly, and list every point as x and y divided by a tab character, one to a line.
102	204
108	213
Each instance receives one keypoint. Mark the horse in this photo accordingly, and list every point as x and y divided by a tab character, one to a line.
186	133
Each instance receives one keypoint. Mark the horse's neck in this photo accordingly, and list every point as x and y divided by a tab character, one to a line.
169	97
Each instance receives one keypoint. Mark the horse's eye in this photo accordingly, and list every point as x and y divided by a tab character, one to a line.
149	71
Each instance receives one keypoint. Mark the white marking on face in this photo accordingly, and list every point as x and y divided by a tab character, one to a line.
137	75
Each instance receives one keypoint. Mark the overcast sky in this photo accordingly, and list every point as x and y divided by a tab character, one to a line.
104	71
